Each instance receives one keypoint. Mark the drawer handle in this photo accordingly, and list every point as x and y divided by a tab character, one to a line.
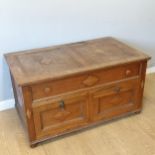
128	72
117	89
47	90
62	104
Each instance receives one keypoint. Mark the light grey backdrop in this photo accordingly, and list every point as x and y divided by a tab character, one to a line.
26	24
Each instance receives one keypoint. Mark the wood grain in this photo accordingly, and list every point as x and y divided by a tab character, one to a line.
50	63
129	136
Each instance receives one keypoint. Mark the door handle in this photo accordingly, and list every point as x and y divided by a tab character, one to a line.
62	104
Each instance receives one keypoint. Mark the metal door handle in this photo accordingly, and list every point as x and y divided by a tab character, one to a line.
62	104
117	89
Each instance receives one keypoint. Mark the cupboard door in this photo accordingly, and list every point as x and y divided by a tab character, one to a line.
114	100
60	114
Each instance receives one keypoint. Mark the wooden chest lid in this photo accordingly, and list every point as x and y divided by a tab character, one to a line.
38	65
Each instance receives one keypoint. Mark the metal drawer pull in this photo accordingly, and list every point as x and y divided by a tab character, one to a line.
128	72
117	89
62	104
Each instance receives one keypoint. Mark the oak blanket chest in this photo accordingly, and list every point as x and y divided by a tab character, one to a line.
65	88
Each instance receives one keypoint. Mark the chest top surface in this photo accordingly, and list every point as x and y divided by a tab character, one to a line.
59	61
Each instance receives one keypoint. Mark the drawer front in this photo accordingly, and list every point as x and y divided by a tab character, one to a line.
114	100
60	114
84	81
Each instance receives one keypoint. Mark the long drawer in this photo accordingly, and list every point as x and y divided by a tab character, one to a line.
85	80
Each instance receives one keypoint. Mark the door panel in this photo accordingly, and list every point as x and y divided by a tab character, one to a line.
114	99
61	114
